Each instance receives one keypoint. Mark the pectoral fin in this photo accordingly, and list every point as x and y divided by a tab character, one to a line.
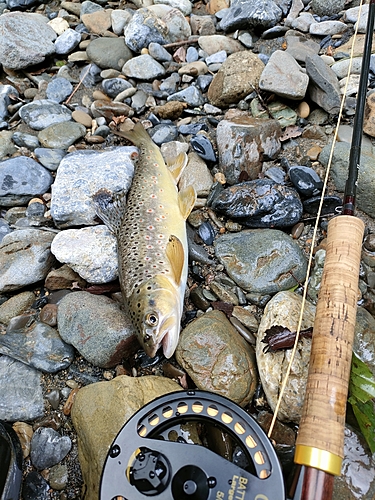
186	201
176	256
110	207
176	165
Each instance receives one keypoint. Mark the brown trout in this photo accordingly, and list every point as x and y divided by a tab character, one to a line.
150	228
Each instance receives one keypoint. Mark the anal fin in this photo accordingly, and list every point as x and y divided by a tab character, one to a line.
176	256
186	201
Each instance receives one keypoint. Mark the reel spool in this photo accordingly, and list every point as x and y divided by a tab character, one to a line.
154	456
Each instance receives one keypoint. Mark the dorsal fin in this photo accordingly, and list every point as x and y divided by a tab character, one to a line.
186	201
176	256
176	165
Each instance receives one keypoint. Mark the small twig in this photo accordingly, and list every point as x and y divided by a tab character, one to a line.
177	44
78	85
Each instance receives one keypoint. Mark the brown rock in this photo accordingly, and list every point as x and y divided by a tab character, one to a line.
63	278
82	117
236	78
202	25
98	22
217	358
48	314
214	43
216	5
15	306
171	110
194	69
99	412
369	120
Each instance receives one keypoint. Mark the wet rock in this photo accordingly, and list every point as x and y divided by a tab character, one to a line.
143	67
61	135
203	147
245	14
339	172
323	88
261	261
237	77
48	448
90	418
260	203
25	40
37	345
109	52
284	310
15	305
90	170
104	342
305	179
357	478
223	364
113	86
242	141
25	258
25	433
90	251
284	76
40	114
21	391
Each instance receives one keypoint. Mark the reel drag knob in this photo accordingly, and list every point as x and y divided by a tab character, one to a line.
150	472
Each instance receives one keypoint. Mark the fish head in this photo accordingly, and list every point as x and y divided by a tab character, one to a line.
155	310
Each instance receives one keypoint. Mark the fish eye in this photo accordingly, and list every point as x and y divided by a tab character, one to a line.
152	319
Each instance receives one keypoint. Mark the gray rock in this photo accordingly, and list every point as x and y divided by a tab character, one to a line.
196	174
284	310
303	22
178	26
25	258
192	55
88	7
6	144
49	157
218	57
61	135
4	229
143	28
208	347
88	171
325	28
21	178
365	199
91	252
191	95
59	89
213	43
67	41
120	18
184	6
42	113
143	67
260	261
139	99
340	68
48	448
324	8
25	39
300	47
164	133
251	14
170	84
242	142
103	342
58	477
109	52
284	76
324	87
25	140
113	86
38	345
159	53
21	391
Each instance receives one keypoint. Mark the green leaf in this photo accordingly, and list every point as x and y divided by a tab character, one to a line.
365	415
362	381
362	395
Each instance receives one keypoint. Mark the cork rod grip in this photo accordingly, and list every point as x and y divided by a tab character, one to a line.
320	440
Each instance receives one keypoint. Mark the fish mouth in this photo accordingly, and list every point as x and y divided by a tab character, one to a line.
167	338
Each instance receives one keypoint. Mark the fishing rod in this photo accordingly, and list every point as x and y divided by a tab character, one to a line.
320	440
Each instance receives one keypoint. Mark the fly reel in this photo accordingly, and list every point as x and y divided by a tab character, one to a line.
192	445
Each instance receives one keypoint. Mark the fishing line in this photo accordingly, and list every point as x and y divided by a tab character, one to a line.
314	237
